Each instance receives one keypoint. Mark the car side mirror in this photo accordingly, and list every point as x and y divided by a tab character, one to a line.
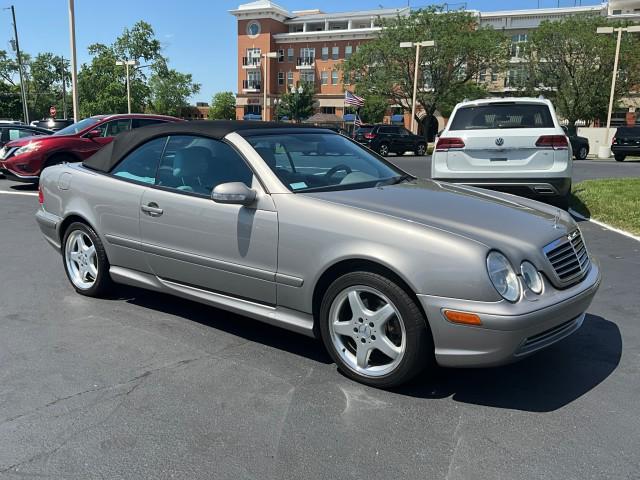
234	193
94	133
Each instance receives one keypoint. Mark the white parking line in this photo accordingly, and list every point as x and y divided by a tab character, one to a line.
604	225
29	194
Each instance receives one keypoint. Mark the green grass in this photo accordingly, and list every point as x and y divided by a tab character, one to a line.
615	201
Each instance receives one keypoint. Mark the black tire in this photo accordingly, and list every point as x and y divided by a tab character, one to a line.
383	149
419	352
582	153
103	283
421	149
619	157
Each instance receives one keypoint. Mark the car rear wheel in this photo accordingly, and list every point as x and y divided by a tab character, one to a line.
374	330
421	149
582	153
383	149
85	261
619	157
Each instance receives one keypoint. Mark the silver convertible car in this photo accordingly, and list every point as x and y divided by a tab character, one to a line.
305	229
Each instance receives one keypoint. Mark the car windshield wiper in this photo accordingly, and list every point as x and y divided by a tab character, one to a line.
394	180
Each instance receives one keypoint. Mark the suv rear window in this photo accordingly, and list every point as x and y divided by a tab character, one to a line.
628	131
502	115
363	130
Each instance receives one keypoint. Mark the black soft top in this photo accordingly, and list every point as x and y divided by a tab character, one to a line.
110	155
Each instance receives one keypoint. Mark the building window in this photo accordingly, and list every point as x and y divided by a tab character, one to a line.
334	77
280	78
335	53
325	53
348	50
517	42
289	79
281	55
329	110
307	76
307	55
617	12
324	77
494	76
482	76
253	56
289	54
253	109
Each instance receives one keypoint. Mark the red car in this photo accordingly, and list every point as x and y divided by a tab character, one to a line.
24	159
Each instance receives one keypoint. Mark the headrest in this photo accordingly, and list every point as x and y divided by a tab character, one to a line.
191	162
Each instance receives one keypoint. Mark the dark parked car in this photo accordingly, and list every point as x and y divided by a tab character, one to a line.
579	145
386	139
54	124
24	159
626	142
9	132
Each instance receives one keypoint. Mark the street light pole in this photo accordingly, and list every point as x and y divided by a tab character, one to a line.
266	57
605	149
64	89
25	108
126	64
74	63
426	43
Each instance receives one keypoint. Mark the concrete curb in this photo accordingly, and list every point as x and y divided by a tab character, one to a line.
604	225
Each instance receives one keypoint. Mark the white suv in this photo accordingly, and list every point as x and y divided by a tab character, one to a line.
514	145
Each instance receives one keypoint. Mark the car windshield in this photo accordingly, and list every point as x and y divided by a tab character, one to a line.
502	115
628	131
78	127
322	161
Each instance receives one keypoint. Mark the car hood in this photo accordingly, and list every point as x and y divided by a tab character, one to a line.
498	220
26	140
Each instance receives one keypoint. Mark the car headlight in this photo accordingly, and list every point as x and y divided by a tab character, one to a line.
503	276
29	147
531	276
3	152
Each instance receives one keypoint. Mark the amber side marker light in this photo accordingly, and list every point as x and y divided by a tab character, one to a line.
462	317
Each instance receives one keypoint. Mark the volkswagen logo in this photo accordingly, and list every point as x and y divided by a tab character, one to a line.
499	141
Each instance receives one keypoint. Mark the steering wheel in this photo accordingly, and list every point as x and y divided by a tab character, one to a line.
332	171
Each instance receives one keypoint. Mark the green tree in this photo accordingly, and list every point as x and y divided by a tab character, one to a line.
44	87
297	104
10	101
462	48
170	91
223	106
374	109
102	83
572	64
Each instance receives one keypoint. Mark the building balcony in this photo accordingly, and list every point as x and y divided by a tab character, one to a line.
250	62
305	63
250	86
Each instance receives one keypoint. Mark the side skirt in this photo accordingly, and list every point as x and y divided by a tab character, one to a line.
293	320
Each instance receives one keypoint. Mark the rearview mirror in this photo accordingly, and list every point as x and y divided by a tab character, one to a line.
94	133
235	193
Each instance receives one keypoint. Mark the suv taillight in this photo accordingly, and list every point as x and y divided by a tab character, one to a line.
40	195
445	144
613	140
557	142
369	136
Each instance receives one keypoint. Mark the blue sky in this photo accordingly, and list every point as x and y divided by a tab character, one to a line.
198	36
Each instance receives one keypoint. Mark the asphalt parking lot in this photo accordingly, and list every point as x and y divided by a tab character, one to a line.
149	386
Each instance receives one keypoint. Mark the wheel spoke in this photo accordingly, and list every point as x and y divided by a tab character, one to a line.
383	344
91	251
73	256
93	271
343	328
357	307
362	354
82	246
381	316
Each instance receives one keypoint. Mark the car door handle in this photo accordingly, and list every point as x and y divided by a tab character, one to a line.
152	209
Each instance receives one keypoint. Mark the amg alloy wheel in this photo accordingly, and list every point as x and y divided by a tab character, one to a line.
421	150
374	330
383	149
85	261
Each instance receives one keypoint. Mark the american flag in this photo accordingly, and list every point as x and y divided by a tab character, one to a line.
353	99
357	122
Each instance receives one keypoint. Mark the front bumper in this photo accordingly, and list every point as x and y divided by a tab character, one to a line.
18	177
509	332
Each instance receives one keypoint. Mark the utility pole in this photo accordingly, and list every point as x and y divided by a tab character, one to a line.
74	64
126	64
417	45
25	108
64	89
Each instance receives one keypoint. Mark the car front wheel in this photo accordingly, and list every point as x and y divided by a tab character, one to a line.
85	261
619	157
383	149
374	330
582	153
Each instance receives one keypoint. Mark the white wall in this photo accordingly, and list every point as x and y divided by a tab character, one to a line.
596	137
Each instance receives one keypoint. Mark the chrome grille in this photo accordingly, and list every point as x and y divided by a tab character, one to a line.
568	256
